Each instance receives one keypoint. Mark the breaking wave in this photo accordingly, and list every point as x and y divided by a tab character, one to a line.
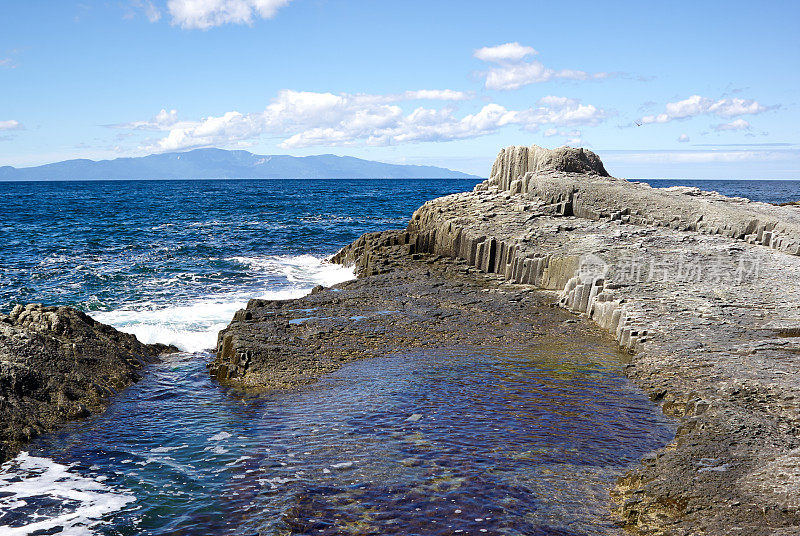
193	325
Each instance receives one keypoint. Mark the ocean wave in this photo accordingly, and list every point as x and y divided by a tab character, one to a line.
31	486
303	269
193	325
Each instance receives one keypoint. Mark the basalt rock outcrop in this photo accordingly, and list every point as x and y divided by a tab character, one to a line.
57	364
573	182
408	302
702	290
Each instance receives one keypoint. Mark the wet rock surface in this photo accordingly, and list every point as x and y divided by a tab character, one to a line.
57	364
702	290
408	301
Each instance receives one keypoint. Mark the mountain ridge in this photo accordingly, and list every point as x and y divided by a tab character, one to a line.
214	163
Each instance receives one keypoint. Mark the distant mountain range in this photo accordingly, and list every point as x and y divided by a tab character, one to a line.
219	164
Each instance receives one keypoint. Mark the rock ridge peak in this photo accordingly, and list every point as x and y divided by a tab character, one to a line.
516	160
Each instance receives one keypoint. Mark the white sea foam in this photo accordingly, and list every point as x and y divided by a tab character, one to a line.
27	480
194	326
303	269
160	450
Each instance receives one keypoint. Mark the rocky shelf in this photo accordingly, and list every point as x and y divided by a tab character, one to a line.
58	365
703	290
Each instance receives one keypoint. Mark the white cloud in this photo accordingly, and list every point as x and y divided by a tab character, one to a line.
305	119
163	120
502	53
575	142
204	14
511	72
572	138
436	94
738	124
517	75
697	105
231	127
10	124
734	107
683	138
562	111
149	9
550	132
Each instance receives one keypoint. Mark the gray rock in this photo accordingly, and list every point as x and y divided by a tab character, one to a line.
57	364
702	290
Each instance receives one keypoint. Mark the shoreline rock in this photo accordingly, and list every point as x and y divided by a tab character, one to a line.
702	290
410	301
57	364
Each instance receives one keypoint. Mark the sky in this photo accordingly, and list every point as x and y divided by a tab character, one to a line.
676	89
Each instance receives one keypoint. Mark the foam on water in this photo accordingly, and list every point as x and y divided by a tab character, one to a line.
38	495
300	269
193	326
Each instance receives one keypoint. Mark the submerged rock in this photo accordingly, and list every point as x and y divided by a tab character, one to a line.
57	364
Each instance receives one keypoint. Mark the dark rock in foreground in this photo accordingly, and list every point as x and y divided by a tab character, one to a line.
57	364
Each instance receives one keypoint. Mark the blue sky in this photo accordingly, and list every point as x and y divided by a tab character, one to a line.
686	89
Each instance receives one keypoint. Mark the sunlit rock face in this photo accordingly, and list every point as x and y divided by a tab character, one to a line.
515	161
702	290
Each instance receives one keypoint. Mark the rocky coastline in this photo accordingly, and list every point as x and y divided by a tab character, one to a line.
58	365
700	292
699	289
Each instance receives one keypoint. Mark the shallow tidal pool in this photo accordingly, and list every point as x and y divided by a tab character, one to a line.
459	441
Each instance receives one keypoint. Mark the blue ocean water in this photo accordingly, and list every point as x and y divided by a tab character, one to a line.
175	454
171	261
763	191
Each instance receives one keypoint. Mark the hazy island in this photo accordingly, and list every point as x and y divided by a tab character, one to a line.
222	164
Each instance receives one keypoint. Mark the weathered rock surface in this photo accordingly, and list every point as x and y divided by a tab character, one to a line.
682	279
409	301
702	290
56	365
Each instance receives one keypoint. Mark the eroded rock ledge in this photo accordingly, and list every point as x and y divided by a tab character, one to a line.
57	364
702	290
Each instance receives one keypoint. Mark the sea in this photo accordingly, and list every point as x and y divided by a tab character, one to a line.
505	441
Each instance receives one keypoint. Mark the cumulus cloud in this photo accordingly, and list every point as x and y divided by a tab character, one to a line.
163	120
683	138
738	124
10	124
512	72
502	53
697	105
560	111
436	94
205	14
305	119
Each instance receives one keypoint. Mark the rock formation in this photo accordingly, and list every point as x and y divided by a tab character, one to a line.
56	365
408	303
703	290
